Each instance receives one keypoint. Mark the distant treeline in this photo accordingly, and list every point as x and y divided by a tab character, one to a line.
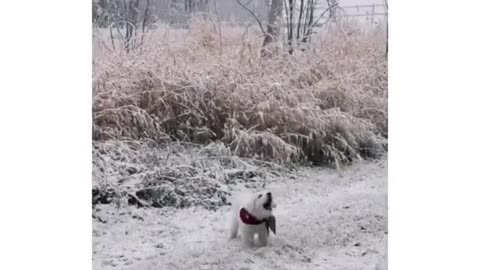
106	12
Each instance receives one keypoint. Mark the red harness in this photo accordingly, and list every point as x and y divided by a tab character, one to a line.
247	218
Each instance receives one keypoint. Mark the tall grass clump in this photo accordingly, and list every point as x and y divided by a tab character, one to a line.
327	103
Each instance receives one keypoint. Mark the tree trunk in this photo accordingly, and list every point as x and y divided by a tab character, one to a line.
299	24
386	41
290	27
128	27
309	24
274	23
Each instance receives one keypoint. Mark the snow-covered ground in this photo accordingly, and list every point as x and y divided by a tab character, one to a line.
326	219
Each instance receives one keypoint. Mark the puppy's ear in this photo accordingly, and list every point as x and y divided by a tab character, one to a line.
271	224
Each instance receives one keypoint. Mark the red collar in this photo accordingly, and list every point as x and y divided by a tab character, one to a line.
247	218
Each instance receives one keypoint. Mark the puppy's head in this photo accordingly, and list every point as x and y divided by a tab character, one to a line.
262	205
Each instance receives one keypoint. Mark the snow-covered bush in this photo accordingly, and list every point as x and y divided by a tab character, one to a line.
325	104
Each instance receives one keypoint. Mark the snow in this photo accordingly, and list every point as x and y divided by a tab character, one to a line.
326	219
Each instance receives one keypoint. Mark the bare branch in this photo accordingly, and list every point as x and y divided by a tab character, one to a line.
254	15
111	38
323	13
117	28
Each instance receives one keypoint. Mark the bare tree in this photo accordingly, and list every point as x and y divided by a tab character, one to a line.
127	20
254	16
289	14
131	10
194	6
273	25
144	23
274	22
189	6
304	21
333	11
386	42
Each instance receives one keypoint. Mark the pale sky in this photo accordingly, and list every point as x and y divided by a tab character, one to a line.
360	2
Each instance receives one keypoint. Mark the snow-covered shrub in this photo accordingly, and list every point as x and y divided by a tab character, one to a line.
325	104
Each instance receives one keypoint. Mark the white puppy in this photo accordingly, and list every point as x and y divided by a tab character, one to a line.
251	217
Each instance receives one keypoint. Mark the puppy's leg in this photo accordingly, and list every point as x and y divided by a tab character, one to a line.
247	237
234	228
263	237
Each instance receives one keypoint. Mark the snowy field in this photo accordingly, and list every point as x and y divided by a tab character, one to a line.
198	116
326	219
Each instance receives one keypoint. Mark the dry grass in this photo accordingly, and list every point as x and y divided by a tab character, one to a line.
327	104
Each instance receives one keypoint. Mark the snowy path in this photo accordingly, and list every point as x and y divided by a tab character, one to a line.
325	220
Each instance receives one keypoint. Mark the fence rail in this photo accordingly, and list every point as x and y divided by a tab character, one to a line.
368	11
